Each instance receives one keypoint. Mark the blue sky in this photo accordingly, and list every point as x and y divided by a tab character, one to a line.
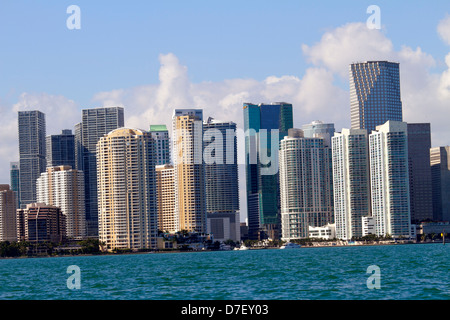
119	42
154	56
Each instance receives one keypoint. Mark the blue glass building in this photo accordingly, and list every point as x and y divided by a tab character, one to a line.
263	191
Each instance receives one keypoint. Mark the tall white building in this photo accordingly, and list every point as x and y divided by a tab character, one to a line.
165	182
127	190
351	181
389	175
305	185
63	187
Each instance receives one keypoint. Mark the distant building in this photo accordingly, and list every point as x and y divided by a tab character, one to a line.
420	186
440	173
327	232
319	129
374	94
128	216
39	222
8	207
351	182
165	194
368	226
160	135
61	149
32	152
389	172
14	181
305	184
63	187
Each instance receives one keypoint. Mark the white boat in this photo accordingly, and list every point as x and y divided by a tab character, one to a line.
290	245
243	247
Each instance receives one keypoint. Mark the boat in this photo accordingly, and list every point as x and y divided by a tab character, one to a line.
290	245
243	247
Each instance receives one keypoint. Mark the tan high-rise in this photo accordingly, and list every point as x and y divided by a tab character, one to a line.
8	206
127	190
190	201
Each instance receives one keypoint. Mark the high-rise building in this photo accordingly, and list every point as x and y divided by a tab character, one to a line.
319	129
190	199
262	124
420	188
389	175
14	181
351	182
165	194
39	222
162	144
440	173
374	94
127	190
63	187
221	179
31	152
95	124
306	185
61	149
8	207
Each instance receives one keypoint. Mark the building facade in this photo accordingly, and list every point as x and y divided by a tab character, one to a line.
61	149
8	207
420	187
440	172
162	144
165	183
265	126
14	181
127	190
319	129
63	187
221	179
351	182
306	185
95	124
374	94
389	172
32	152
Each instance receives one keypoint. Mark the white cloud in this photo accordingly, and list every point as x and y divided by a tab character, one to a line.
444	29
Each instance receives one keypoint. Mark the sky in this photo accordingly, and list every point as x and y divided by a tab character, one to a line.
154	56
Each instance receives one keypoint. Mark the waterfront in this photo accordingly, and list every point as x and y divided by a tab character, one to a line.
414	271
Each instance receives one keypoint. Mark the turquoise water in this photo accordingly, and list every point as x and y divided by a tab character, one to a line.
419	271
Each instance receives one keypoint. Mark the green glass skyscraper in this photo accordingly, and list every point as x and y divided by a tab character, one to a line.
262	123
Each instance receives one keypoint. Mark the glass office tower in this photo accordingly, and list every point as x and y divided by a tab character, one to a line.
374	94
261	123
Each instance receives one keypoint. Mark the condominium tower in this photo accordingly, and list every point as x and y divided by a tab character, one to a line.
95	124
63	187
265	125
8	207
190	199
351	182
14	181
127	190
389	174
61	149
440	169
306	185
32	153
162	144
165	193
374	94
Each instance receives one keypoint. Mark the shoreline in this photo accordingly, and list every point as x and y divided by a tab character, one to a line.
197	251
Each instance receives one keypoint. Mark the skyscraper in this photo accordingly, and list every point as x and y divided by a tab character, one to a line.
95	124
374	94
440	172
190	200
319	129
420	187
165	193
8	208
162	144
306	184
63	187
127	190
61	149
31	152
351	182
262	123
389	175
14	181
221	179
